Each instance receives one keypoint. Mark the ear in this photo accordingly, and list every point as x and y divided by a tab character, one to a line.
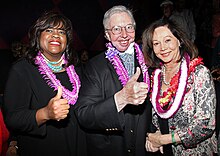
107	36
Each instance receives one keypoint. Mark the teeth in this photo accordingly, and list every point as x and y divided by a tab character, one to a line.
165	54
124	42
55	43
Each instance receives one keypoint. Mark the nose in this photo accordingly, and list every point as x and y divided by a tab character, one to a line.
124	32
55	34
163	46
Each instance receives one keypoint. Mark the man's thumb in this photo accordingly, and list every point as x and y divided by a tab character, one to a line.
59	93
137	74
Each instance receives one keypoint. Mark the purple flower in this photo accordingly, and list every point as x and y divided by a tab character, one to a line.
111	52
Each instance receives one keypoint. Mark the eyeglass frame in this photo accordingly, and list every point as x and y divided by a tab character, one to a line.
125	27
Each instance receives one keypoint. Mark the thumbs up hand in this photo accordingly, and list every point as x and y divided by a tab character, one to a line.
57	107
133	92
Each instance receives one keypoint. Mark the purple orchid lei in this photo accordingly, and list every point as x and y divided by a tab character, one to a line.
53	82
112	56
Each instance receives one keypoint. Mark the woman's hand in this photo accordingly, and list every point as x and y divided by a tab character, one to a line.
12	149
56	109
150	147
155	138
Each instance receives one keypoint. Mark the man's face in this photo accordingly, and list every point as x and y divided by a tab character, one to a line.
123	25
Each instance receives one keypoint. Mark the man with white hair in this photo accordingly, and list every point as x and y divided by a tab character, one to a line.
114	106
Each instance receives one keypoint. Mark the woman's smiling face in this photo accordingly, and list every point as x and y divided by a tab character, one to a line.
165	45
53	42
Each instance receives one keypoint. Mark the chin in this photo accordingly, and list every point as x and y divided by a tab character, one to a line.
123	48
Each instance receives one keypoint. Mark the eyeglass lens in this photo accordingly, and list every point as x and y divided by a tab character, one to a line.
118	29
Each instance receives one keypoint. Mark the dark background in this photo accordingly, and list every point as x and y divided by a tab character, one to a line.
16	16
86	16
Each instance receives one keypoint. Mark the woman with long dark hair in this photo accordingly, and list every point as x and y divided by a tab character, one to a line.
183	94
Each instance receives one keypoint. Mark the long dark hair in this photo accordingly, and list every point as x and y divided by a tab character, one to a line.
185	44
49	20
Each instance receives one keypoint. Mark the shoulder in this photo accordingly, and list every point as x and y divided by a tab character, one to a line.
99	61
21	63
22	66
98	66
202	73
98	58
201	69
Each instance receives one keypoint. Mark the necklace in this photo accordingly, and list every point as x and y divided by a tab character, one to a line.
164	75
51	64
174	94
56	69
178	91
112	56
53	82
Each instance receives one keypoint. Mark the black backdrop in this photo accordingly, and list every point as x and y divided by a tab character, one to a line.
16	16
86	16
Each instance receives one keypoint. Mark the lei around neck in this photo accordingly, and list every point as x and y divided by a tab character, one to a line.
178	91
54	83
112	56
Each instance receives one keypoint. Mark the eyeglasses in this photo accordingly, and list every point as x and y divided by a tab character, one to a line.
116	30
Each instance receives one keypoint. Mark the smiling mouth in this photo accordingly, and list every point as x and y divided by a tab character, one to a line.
124	42
165	54
54	43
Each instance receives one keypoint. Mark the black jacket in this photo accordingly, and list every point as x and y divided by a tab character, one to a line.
109	132
26	92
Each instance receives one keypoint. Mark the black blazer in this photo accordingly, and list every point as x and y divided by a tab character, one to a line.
26	92
109	132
